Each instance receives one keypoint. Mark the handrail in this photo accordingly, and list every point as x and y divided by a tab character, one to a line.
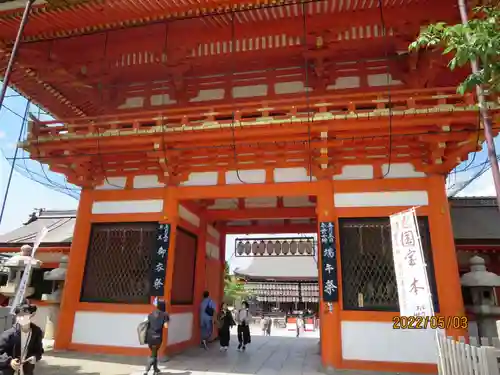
342	99
298	109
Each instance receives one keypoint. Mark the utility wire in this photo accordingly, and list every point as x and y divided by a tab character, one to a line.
11	172
486	167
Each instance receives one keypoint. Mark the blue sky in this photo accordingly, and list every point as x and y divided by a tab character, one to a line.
26	194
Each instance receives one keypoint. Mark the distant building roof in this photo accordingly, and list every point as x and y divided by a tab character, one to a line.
475	218
60	225
284	267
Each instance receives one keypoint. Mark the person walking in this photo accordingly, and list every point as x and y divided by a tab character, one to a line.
224	322
243	320
21	346
157	320
299	323
207	311
269	326
263	324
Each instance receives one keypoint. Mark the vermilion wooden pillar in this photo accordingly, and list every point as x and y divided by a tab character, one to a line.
444	255
76	268
331	342
222	257
200	283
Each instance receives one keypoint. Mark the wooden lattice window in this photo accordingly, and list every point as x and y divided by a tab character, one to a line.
118	263
368	276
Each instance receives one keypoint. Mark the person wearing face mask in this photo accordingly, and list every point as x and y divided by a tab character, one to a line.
21	346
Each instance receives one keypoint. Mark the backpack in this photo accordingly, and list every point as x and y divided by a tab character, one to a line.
142	329
209	310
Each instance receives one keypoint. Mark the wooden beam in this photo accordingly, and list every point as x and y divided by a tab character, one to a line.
262	213
271	229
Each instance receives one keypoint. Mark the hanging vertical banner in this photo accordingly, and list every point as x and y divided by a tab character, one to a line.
328	256
409	264
159	260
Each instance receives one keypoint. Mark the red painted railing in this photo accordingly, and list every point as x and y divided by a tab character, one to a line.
304	108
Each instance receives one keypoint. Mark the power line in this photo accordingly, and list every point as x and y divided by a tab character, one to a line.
11	172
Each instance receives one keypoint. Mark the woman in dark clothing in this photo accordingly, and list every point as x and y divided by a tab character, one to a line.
21	345
157	320
224	322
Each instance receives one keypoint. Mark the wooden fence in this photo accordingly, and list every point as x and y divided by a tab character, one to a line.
475	358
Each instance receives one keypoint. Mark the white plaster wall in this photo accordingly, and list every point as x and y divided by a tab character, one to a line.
212	251
119	329
189	216
147	181
201	179
382	199
355	172
180	328
208	94
133	102
345	83
292	175
298	202
213	232
113	183
108	329
401	170
378	341
257	176
127	207
264	202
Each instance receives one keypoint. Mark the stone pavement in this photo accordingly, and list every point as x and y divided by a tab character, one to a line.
275	355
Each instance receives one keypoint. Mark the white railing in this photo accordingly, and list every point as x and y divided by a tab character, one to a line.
476	358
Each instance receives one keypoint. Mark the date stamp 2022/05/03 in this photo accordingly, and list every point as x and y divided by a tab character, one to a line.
434	322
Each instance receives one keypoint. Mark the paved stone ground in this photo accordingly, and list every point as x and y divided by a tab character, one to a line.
275	355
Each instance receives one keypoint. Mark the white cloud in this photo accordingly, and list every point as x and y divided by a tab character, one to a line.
2	134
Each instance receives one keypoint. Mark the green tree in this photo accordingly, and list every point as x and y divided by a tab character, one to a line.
478	40
234	289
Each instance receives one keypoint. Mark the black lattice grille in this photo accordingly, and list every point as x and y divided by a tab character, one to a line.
368	277
118	263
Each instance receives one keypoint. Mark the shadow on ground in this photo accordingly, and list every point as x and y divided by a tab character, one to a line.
279	355
276	355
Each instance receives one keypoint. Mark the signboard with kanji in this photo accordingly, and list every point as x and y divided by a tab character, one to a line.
328	256
159	260
409	264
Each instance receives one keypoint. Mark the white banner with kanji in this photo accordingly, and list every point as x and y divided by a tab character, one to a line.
409	265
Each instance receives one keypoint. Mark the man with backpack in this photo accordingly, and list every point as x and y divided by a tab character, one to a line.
151	333
207	312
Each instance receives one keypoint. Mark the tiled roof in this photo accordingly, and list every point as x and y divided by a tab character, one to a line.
60	225
289	267
475	218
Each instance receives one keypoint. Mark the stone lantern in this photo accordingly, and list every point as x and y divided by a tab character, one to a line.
16	266
482	284
57	276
